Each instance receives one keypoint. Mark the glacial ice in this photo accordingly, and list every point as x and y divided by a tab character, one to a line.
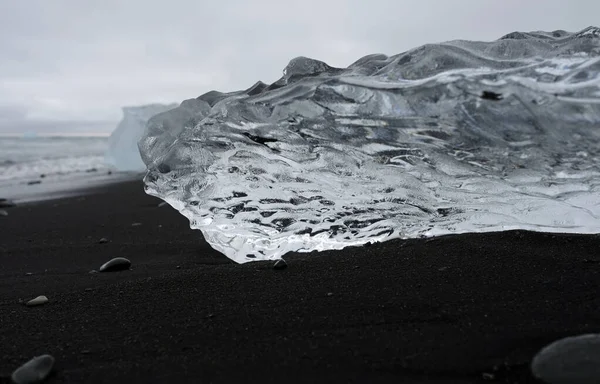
123	153
456	137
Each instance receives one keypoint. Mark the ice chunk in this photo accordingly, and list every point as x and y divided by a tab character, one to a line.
123	153
454	137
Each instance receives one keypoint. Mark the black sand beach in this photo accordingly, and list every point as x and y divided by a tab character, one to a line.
457	309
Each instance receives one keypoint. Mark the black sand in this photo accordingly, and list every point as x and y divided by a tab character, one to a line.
457	309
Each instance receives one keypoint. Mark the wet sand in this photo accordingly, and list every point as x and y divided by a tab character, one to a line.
456	309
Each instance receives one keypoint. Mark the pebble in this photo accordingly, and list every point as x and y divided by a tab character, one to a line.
3	212
33	182
280	264
116	264
136	224
92	271
329	294
40	300
572	360
33	371
103	240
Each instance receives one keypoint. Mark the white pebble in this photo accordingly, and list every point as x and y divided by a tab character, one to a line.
33	371
572	360
40	300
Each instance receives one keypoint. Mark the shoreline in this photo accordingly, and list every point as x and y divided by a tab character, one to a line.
30	190
450	309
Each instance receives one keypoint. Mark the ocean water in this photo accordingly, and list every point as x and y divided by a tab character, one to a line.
28	159
454	137
42	168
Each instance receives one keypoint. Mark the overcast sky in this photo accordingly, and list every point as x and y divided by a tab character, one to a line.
69	65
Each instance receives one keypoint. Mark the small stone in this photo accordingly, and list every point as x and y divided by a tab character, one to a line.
33	182
488	376
116	264
92	271
103	240
329	294
28	274
178	267
280	264
136	224
442	269
162	204
40	300
572	360
34	371
3	212
88	289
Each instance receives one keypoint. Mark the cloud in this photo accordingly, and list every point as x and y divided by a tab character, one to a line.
80	61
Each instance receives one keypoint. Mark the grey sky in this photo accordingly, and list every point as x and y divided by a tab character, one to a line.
69	65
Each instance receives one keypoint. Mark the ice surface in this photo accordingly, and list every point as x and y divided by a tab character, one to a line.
123	153
454	137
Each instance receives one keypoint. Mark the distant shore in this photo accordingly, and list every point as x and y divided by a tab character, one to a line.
455	309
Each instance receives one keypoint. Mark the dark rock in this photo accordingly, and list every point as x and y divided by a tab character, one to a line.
116	264
33	182
40	300
35	370
572	360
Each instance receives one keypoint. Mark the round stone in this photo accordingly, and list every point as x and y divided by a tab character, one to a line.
572	360
40	300
116	264
34	371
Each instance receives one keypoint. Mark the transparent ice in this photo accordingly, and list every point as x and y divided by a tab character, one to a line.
123	153
446	138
